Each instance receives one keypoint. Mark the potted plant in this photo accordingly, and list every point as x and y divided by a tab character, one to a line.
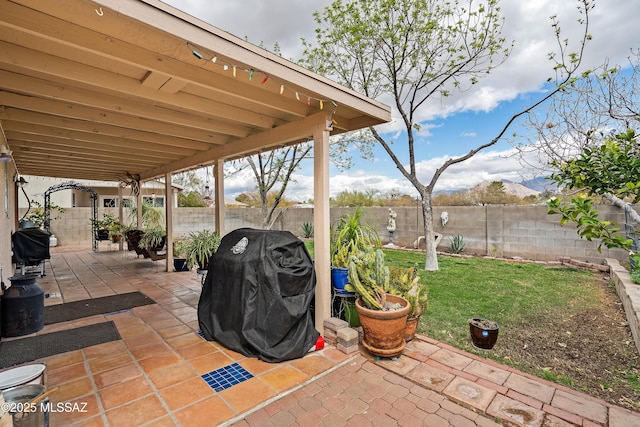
200	246
35	216
340	268
406	283
180	255
383	316
116	230
153	239
349	236
484	333
103	226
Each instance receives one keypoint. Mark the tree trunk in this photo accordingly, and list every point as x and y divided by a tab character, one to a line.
619	203
431	261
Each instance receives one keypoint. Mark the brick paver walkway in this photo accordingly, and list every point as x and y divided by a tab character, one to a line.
434	384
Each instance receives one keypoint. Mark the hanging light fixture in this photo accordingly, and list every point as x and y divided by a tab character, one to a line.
5	154
207	190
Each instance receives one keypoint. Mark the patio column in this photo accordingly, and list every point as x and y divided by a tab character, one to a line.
139	206
218	176
120	215
321	225
168	205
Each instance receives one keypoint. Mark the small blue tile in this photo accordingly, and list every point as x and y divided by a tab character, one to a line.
227	376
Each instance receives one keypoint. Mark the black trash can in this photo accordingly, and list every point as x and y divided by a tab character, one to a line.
22	306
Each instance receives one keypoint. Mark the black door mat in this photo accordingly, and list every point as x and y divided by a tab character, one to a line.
32	348
90	307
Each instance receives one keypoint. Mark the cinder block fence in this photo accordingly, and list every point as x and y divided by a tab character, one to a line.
501	231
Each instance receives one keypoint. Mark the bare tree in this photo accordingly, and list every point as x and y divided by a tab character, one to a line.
602	102
601	107
272	171
415	51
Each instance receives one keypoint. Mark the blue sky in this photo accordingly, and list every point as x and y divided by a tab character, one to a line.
464	121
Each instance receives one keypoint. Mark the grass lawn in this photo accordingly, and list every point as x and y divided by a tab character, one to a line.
508	293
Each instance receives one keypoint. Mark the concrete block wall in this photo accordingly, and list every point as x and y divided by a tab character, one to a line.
508	231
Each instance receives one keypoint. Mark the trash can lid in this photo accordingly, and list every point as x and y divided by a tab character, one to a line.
20	375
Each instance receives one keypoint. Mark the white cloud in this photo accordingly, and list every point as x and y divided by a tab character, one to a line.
488	165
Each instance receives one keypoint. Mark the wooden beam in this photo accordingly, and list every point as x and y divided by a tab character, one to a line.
272	138
75	111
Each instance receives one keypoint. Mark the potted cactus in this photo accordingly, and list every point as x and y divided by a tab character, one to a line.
406	283
383	316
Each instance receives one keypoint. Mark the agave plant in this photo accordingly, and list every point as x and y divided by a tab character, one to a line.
307	229
456	244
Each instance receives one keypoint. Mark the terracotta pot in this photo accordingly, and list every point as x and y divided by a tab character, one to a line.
484	333
384	330
411	328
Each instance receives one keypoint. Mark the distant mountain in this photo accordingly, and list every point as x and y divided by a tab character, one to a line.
540	184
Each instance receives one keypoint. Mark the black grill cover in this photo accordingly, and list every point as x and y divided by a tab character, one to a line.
257	296
30	246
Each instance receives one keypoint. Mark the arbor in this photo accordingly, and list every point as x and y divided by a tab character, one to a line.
410	52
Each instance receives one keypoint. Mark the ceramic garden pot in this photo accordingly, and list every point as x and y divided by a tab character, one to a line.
484	333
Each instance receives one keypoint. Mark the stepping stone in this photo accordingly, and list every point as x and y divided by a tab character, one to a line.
469	394
430	377
401	366
451	359
421	347
488	372
516	413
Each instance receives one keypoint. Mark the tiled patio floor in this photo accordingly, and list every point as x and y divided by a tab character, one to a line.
152	377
